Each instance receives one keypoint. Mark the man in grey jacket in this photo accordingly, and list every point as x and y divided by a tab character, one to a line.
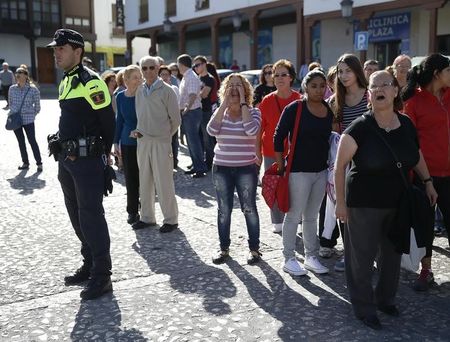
7	79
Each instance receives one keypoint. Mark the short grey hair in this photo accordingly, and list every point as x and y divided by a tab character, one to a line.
147	59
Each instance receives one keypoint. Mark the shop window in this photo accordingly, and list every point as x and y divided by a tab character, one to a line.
171	8
46	11
385	53
14	10
443	43
116	30
143	11
201	5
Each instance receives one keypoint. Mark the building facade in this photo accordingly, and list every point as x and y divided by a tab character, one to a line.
412	27
253	32
257	31
27	26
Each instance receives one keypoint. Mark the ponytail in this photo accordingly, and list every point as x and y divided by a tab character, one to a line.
413	79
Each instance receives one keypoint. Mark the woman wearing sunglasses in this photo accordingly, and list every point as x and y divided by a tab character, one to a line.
265	86
272	105
24	96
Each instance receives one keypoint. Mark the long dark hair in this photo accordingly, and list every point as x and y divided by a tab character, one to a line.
354	64
262	78
423	73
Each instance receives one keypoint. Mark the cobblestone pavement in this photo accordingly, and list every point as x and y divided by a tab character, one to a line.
165	286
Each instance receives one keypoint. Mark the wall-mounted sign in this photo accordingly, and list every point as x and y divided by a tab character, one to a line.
120	15
361	40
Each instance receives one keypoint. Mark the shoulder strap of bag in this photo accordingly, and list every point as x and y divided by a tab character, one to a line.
370	121
23	100
294	138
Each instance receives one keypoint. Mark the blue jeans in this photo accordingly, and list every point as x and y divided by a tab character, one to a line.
244	179
192	121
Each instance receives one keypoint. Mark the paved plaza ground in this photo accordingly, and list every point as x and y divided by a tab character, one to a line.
165	285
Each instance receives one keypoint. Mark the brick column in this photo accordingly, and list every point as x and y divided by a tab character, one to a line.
181	39
152	51
253	21
214	24
433	7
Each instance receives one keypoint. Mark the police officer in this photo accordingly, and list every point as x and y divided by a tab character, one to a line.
86	130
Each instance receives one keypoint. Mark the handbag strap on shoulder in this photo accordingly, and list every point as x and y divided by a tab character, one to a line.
23	100
294	138
370	122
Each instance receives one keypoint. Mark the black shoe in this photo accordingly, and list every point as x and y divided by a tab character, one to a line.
189	172
372	322
24	167
198	175
167	228
81	275
132	218
390	310
424	281
189	167
96	288
254	257
221	257
39	168
141	225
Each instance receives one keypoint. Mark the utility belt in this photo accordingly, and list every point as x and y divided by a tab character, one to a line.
83	147
90	146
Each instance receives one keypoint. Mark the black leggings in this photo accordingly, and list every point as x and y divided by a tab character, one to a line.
442	186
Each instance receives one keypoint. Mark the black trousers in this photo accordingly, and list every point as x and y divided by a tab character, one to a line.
442	186
30	132
365	240
5	92
131	171
82	183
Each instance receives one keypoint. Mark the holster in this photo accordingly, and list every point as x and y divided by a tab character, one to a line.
54	145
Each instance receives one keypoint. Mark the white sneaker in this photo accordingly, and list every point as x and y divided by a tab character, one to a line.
293	267
313	264
277	227
326	252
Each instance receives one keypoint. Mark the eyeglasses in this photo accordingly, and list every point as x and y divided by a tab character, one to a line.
381	86
20	73
197	65
151	67
164	74
267	73
280	75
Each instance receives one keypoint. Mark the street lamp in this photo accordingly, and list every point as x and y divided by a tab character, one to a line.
346	8
167	25
237	20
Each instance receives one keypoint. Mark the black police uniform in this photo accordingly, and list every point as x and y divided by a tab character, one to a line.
86	113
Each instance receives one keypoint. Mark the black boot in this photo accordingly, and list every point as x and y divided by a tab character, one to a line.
81	275
97	287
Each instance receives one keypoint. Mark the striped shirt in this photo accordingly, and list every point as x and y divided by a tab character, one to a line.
31	102
351	113
236	140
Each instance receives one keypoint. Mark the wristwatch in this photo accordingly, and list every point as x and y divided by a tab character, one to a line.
427	180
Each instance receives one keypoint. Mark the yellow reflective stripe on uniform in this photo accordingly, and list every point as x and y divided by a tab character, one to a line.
95	92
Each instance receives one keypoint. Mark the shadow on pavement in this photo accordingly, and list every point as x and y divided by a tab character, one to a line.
101	320
171	254
297	313
26	185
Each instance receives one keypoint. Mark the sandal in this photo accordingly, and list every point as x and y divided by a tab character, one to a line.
254	257
221	257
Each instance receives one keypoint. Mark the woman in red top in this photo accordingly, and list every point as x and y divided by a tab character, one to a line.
428	106
271	106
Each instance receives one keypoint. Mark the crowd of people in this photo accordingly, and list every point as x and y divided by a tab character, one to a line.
374	120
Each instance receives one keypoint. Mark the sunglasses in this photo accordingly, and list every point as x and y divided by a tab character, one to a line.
267	73
197	65
281	75
151	67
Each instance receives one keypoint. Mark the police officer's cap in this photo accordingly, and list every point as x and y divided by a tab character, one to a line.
66	36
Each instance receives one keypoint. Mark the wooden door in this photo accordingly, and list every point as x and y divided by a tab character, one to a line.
46	65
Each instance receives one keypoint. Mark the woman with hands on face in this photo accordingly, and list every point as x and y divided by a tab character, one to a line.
235	125
367	200
308	176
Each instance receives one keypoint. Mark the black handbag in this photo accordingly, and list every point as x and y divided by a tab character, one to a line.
14	120
413	211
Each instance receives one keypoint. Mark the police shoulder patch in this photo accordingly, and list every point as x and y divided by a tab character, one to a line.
98	97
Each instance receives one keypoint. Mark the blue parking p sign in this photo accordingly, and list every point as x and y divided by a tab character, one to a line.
361	40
